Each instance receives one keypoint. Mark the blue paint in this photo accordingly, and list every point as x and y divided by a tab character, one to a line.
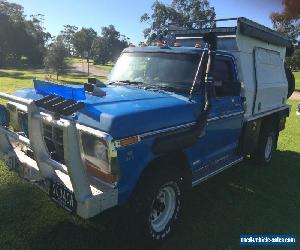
130	110
68	92
123	106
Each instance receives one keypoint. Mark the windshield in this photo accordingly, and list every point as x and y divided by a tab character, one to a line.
161	70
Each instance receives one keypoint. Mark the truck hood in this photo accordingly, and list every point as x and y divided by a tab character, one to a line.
126	110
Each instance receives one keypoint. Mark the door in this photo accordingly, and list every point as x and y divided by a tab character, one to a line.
225	119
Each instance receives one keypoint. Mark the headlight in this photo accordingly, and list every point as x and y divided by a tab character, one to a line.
97	158
100	151
95	152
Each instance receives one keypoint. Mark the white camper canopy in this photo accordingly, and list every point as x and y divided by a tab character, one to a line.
259	53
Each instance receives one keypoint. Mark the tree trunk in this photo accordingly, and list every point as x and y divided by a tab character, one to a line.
56	76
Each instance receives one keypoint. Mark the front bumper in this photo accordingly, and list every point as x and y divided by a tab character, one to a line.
91	199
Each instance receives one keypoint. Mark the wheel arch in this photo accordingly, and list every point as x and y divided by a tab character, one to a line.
178	159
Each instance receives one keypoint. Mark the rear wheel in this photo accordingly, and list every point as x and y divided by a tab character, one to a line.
266	146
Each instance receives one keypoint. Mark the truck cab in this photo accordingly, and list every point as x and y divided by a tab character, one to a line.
169	117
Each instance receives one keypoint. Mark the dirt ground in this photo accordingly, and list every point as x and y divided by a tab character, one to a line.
83	68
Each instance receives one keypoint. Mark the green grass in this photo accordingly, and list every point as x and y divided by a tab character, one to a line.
12	79
242	200
297	77
106	67
77	60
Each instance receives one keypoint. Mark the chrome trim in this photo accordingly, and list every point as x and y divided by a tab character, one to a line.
92	131
225	116
175	128
111	145
15	99
194	183
160	131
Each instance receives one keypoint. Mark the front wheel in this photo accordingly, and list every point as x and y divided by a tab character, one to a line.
164	210
158	204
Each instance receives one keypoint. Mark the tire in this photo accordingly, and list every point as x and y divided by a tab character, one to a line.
157	205
291	81
266	146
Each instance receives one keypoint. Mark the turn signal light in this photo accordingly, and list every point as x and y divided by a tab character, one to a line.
94	171
197	45
177	45
129	141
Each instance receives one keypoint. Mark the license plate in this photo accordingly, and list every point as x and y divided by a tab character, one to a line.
63	196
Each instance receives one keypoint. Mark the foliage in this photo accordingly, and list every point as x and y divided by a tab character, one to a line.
182	12
293	62
82	40
55	57
20	37
67	35
288	21
108	46
297	78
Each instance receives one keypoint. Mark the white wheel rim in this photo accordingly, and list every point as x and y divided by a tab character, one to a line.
163	208
269	147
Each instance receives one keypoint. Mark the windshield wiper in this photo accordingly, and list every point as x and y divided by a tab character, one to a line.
167	88
129	82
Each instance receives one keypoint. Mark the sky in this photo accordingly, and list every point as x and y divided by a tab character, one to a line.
125	15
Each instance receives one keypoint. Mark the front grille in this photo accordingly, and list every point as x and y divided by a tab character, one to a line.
53	137
23	122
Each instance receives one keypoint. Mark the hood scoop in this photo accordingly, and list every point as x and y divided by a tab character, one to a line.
59	105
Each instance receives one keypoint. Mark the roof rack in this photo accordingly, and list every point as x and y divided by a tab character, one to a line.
242	25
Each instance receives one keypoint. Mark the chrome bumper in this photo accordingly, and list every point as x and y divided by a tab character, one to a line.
91	199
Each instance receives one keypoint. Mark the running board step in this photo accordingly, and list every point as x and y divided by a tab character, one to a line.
210	170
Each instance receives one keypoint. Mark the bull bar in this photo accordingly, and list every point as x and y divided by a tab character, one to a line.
91	199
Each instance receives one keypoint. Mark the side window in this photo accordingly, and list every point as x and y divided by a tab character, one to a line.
223	77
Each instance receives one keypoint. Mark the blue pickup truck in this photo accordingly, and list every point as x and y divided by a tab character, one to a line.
170	117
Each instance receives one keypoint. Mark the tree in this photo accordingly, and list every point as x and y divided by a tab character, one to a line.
20	37
67	35
101	50
288	21
182	12
82	40
109	45
55	57
293	62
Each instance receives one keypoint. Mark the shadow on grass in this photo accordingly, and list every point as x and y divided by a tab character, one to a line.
16	75
246	199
